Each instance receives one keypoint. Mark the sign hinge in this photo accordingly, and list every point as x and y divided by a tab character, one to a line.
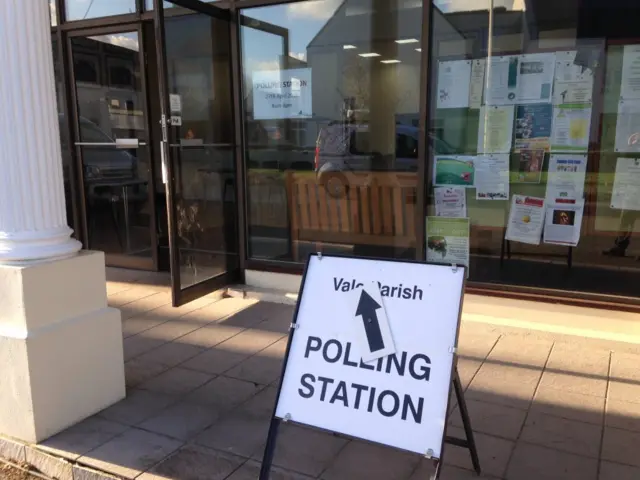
293	326
453	350
429	454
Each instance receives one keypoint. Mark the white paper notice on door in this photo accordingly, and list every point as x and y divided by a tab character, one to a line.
453	84
279	94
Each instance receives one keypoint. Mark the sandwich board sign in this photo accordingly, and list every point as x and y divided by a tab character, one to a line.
371	354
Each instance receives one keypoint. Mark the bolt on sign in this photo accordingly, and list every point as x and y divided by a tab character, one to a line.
371	354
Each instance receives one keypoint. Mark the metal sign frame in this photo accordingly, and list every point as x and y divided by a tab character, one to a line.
456	384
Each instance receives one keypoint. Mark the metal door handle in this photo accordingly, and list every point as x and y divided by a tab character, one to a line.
124	143
163	163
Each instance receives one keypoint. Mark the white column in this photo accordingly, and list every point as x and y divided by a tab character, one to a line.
61	350
33	223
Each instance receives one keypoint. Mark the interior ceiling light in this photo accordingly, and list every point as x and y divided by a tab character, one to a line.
349	47
389	61
368	55
407	40
418	49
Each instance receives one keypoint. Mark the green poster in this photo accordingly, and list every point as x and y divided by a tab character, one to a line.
448	240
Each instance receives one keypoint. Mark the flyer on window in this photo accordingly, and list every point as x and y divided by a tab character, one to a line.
476	86
626	185
529	166
451	202
502	80
533	126
526	219
454	170
535	77
571	126
453	84
630	86
573	83
492	177
448	240
563	223
565	177
628	126
495	130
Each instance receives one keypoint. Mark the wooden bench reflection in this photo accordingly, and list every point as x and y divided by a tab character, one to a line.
377	208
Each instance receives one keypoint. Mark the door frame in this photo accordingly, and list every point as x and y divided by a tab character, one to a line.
111	259
181	295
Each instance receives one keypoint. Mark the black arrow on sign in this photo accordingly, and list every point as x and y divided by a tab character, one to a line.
367	307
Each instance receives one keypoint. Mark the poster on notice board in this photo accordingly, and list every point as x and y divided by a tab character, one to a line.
526	219
563	223
448	240
453	84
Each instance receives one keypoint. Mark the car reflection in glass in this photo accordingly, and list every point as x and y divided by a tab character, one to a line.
343	155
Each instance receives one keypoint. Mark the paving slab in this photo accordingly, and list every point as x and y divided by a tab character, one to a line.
194	463
504	385
138	406
305	450
533	462
82	437
365	461
493	419
563	404
176	381
621	414
237	432
264	367
131	453
182	421
494	452
137	371
562	434
251	471
225	392
616	471
621	446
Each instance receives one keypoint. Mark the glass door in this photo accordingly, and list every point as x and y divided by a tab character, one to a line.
111	129
198	145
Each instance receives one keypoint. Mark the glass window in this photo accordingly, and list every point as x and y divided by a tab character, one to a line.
83	9
149	4
535	128
331	102
53	13
111	106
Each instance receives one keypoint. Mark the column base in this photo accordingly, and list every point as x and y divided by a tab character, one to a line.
60	346
37	245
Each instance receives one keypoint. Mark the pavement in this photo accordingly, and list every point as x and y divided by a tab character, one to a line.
201	384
